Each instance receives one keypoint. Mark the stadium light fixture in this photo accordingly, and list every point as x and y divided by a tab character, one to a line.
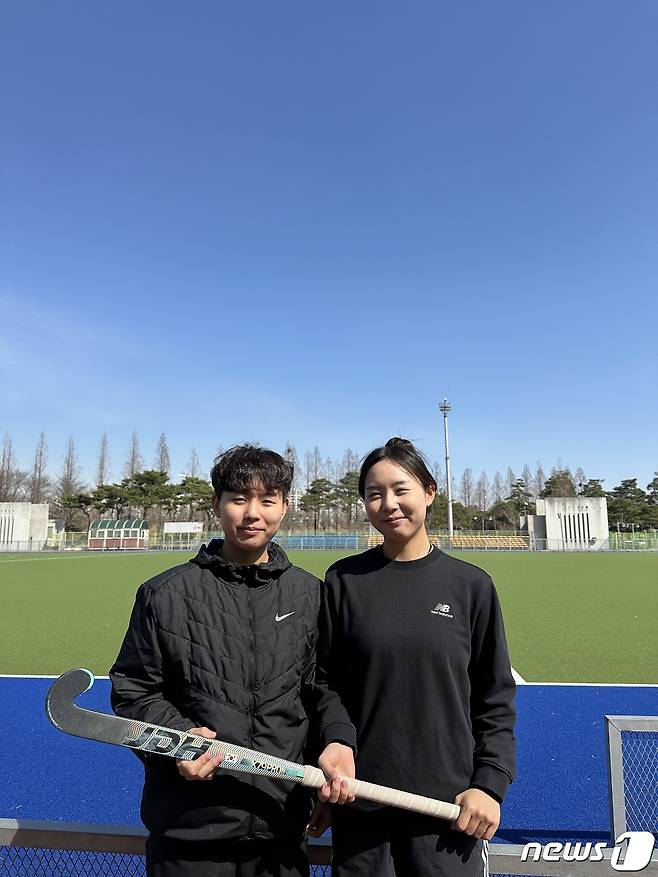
444	408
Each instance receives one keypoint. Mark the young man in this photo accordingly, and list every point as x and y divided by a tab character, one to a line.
225	646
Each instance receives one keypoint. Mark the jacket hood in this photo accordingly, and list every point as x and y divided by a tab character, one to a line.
251	574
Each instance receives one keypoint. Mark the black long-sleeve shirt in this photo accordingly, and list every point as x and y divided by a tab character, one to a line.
416	653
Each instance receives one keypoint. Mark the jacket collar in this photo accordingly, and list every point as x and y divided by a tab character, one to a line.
254	574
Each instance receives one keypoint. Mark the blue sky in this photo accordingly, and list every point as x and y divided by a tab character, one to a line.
310	222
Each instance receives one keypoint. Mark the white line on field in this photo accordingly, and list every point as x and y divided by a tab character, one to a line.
36	676
596	684
517	678
521	681
24	559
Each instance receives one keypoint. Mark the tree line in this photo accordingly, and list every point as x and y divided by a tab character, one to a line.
324	495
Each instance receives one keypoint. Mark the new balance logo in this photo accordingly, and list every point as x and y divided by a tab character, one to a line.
442	609
278	617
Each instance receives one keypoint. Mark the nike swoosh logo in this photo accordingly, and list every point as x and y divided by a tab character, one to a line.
278	617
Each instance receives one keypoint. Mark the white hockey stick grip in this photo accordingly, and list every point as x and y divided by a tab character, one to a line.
314	777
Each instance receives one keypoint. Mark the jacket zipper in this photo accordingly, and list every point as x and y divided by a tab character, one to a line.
252	632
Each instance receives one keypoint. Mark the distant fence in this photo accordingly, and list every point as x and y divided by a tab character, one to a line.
638	541
462	540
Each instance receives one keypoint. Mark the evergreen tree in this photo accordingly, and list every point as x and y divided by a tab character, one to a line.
593	487
520	497
560	483
347	495
317	499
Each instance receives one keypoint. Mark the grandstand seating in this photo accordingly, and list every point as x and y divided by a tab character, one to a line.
471	541
491	542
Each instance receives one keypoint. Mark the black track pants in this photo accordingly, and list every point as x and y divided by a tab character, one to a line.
388	843
166	858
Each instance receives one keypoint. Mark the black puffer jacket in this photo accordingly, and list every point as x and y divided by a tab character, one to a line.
230	647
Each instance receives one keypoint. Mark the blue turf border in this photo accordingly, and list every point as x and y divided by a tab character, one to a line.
561	790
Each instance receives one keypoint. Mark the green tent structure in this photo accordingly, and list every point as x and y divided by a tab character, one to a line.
126	534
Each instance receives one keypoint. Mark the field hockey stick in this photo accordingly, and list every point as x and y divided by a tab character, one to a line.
66	716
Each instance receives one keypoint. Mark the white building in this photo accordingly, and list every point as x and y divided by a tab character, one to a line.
570	523
23	526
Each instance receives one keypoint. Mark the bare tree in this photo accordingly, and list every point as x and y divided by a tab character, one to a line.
482	490
313	466
466	487
351	460
103	467
291	456
13	481
134	462
69	483
538	480
330	469
39	481
6	465
581	480
349	463
193	466
526	475
497	488
162	462
439	477
510	481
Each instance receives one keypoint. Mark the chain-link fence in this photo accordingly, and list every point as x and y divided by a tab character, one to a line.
28	862
640	755
31	848
29	859
461	540
633	770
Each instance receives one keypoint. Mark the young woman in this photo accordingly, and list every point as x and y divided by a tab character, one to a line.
412	644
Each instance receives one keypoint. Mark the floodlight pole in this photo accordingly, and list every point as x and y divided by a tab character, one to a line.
444	408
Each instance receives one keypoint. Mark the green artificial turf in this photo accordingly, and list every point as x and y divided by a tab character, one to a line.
569	617
578	617
67	610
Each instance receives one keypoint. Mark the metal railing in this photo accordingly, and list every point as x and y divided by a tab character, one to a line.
31	848
47	849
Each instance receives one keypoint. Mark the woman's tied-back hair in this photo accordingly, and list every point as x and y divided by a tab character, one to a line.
401	452
246	466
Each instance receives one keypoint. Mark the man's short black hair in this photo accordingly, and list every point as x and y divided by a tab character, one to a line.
245	466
